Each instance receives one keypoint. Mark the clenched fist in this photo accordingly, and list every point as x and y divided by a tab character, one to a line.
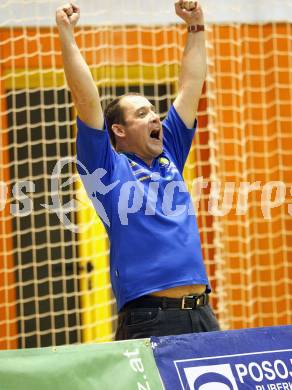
189	11
68	15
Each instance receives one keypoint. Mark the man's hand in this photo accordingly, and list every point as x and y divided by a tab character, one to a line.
67	15
189	11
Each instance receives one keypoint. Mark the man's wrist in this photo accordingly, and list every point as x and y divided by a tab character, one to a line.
194	28
66	32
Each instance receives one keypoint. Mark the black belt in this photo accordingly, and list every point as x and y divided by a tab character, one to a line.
187	302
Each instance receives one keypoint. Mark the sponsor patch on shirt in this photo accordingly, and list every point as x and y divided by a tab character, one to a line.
163	161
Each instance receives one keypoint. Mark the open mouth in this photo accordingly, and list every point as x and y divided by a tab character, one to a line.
155	134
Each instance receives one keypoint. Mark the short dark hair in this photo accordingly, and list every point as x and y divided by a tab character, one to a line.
114	114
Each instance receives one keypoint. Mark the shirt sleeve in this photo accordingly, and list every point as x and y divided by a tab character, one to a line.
177	138
96	160
94	149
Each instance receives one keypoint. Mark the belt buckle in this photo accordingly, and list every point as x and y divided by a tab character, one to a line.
205	299
183	307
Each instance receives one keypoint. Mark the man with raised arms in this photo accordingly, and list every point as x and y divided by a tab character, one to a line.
156	264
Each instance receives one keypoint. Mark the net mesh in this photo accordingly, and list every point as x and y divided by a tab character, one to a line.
252	135
54	282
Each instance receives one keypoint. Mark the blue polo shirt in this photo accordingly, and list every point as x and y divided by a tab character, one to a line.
146	210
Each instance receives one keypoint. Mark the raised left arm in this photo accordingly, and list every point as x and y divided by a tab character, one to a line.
194	63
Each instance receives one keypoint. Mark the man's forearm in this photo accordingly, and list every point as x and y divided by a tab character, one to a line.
194	64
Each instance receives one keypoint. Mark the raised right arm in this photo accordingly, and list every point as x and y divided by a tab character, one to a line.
79	79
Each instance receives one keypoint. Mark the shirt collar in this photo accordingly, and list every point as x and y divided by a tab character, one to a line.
134	157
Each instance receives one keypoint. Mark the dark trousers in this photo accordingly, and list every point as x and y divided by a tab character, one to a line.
143	322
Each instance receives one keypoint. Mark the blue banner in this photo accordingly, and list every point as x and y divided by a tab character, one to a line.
257	359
